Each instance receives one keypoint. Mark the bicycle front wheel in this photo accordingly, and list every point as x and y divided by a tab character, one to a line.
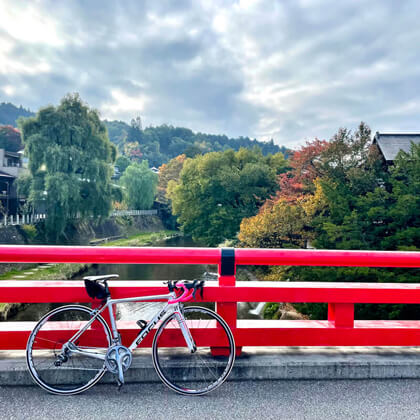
52	363
201	371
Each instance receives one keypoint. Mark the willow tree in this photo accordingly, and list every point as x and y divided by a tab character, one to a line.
70	162
140	185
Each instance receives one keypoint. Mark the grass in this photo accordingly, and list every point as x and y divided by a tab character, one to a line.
55	272
144	239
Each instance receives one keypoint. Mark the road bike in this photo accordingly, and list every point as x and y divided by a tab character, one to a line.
72	347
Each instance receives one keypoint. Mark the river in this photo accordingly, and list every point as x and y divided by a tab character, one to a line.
144	272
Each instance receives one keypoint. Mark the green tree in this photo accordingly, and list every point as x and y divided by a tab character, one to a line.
122	162
367	207
217	190
135	132
70	162
278	162
140	185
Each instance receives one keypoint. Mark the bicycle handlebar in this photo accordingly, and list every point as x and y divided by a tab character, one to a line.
189	290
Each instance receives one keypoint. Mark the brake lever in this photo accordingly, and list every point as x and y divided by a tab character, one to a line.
198	285
171	285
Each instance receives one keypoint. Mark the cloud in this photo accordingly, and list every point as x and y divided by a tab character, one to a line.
288	70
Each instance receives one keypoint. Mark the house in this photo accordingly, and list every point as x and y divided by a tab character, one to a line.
389	144
10	168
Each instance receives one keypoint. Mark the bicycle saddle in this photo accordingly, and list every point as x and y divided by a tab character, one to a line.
103	277
95	289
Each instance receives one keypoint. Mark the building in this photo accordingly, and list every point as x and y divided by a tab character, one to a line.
389	144
10	168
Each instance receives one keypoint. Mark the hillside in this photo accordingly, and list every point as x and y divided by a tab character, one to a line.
157	144
9	113
162	143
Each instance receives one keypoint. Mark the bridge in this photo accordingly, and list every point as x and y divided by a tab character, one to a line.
268	346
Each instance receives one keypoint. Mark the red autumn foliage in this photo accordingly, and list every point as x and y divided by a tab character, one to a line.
297	182
10	138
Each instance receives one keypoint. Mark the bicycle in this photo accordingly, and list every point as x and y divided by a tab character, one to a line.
72	347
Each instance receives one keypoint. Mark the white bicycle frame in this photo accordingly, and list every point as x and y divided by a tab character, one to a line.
169	309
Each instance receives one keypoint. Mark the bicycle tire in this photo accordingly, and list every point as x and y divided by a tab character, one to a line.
193	373
78	373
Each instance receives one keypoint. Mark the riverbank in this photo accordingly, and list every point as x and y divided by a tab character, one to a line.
145	238
68	271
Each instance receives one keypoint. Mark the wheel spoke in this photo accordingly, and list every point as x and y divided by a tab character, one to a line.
42	353
199	372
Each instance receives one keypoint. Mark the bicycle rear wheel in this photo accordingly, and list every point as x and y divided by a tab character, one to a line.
67	373
203	370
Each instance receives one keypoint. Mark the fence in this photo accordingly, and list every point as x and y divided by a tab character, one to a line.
23	219
133	213
339	329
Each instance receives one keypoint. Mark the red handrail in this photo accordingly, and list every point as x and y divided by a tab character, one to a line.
339	329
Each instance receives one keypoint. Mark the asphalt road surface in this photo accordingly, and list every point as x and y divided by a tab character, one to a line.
338	399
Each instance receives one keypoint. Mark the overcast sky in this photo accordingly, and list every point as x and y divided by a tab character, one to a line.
287	70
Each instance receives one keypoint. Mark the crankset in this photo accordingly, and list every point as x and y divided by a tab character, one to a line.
117	360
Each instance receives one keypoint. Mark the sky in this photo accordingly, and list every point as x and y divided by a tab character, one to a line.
290	70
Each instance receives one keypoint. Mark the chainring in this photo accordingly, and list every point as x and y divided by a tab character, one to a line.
118	355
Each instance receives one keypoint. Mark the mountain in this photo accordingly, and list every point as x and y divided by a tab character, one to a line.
158	144
9	113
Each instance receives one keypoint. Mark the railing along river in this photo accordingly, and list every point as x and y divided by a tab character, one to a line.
340	328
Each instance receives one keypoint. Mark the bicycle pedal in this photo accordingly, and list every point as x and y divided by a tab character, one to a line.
142	324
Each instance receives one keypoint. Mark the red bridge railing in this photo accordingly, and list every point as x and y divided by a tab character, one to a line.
340	328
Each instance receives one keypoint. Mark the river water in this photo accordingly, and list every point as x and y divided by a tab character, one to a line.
138	310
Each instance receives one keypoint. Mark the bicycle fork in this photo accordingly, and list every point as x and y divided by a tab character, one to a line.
186	332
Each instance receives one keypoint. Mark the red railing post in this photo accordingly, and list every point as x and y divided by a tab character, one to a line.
227	277
342	314
227	310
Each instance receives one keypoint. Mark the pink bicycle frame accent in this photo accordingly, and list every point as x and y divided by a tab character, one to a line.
186	294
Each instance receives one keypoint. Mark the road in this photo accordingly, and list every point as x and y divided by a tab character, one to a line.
338	399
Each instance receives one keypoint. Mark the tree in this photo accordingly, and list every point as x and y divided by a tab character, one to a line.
132	151
283	224
366	208
122	162
217	190
135	132
10	138
278	162
70	162
169	172
140	185
304	169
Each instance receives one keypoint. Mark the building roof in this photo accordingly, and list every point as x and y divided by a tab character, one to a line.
5	175
13	154
391	143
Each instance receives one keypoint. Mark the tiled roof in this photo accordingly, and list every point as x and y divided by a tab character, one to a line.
390	144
